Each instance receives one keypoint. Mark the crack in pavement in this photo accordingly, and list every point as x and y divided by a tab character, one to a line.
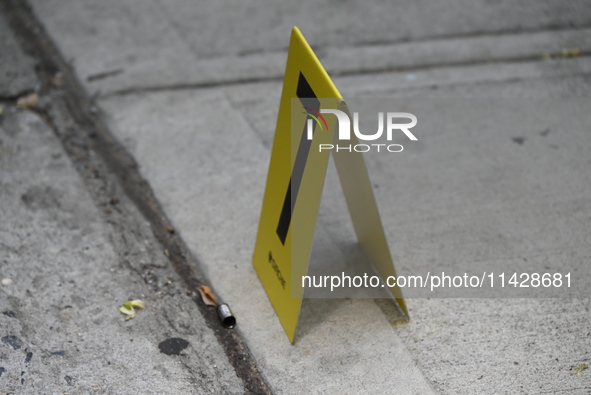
337	73
368	71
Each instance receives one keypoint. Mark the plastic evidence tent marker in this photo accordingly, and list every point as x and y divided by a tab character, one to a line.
294	187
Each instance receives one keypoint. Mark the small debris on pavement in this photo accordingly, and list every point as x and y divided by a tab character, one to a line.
6	281
207	296
579	369
128	308
173	346
169	229
571	53
29	101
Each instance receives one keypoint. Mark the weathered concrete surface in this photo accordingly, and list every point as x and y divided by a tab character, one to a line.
17	69
501	346
165	44
209	175
69	278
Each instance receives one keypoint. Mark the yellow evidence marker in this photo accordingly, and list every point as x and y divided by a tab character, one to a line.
294	187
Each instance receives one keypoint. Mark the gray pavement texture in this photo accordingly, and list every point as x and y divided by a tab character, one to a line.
17	74
190	90
68	280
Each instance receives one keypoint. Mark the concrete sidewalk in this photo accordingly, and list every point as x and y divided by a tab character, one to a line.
74	248
163	74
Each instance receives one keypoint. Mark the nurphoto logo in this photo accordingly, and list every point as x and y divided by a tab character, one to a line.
392	121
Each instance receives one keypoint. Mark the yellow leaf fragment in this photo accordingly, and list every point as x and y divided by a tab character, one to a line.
138	304
127	312
207	296
571	53
128	308
579	369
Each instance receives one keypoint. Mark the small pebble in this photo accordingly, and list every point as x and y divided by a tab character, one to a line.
6	281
